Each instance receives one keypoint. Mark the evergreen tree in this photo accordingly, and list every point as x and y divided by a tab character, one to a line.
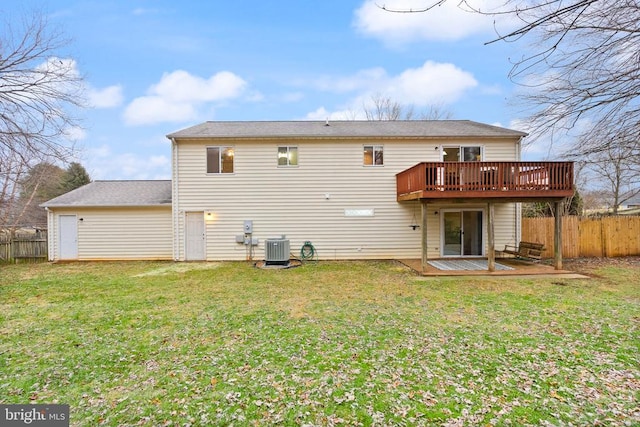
74	177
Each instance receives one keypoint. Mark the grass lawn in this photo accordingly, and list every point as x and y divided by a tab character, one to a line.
329	343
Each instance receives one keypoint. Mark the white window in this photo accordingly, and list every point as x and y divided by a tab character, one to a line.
462	154
287	156
373	155
220	159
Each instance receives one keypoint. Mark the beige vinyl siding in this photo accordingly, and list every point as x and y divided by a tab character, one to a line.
308	202
120	233
493	151
504	226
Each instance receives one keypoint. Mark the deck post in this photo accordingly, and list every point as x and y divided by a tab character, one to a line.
423	233
557	237
491	255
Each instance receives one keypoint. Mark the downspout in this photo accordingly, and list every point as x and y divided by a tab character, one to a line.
174	199
50	231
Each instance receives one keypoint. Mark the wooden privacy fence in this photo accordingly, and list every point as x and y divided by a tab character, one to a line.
584	237
23	247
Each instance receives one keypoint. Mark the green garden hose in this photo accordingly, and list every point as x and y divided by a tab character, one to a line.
308	252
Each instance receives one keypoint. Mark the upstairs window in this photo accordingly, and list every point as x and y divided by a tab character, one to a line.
373	155
220	159
287	156
462	154
471	154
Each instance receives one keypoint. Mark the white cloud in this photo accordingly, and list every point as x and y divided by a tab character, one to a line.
361	80
53	76
292	97
320	113
75	133
183	87
432	84
178	96
63	74
59	69
155	109
159	161
108	97
549	145
445	22
103	163
323	114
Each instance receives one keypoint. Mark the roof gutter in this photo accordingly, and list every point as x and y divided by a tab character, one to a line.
154	205
337	137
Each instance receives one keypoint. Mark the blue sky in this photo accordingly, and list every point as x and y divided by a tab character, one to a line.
154	67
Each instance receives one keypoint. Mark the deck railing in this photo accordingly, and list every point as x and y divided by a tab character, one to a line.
509	178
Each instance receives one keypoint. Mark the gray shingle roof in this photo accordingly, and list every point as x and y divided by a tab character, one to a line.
116	193
351	128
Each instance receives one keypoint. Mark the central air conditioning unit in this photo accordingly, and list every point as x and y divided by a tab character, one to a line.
276	251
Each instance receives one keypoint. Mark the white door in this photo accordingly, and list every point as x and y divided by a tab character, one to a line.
194	236
68	236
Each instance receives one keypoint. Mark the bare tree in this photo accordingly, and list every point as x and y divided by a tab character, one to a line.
42	182
581	67
595	201
19	186
617	172
12	169
39	89
385	108
24	187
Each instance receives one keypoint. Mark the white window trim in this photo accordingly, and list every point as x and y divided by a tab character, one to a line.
443	148
220	148
288	165
374	147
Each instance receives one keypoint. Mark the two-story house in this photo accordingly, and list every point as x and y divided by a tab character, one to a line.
354	189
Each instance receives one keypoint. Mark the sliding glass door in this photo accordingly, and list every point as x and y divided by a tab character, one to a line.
462	233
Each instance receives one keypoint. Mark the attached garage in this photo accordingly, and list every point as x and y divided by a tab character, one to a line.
112	220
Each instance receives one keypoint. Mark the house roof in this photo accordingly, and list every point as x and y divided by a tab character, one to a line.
116	194
345	129
634	201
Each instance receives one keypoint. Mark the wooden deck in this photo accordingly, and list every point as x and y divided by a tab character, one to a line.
519	268
507	181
